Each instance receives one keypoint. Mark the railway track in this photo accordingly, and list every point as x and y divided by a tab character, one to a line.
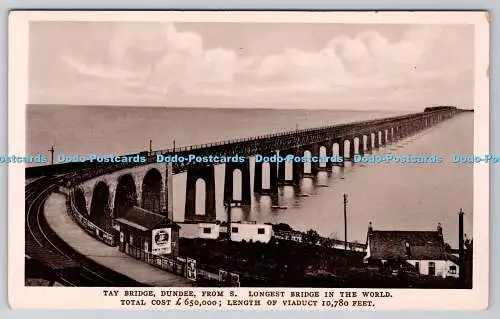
47	255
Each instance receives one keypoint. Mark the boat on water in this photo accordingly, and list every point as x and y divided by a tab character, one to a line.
279	207
307	195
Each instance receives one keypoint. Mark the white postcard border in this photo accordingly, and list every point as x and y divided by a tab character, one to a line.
81	298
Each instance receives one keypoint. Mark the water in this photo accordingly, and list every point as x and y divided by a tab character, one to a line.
399	197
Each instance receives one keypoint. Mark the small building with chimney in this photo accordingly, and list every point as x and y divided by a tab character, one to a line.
423	252
144	234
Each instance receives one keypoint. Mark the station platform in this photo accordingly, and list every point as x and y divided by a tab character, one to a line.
61	223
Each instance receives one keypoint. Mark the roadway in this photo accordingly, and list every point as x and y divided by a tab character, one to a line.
48	256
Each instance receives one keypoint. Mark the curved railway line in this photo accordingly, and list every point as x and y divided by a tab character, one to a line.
47	256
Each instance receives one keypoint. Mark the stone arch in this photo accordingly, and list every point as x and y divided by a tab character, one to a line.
100	211
336	149
80	202
152	188
307	166
322	153
125	195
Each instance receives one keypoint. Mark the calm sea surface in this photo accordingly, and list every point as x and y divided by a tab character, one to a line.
393	196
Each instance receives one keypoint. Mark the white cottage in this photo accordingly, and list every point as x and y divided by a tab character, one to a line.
240	231
208	230
244	231
424	251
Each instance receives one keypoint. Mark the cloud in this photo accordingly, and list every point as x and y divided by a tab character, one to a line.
101	70
168	66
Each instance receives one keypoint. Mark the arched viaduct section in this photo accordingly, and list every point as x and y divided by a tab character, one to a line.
110	194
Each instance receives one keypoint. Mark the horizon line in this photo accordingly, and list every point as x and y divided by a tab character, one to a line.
227	107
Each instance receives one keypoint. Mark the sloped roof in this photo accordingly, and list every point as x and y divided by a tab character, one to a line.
422	245
145	220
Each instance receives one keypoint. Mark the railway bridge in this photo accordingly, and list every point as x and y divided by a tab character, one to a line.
102	192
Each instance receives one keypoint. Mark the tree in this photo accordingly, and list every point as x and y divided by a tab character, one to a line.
282	227
311	237
447	247
468	245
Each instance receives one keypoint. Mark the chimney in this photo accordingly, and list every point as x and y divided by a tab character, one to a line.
370	228
408	249
440	230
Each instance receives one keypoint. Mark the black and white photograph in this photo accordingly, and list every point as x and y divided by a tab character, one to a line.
214	151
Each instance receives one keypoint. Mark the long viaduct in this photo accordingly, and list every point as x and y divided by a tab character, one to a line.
104	192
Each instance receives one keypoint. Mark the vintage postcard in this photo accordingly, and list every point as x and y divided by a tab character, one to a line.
248	160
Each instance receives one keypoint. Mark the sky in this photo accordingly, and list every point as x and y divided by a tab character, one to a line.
278	65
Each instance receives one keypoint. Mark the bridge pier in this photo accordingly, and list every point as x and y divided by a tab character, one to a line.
297	168
282	167
406	131
350	149
329	154
315	151
257	177
208	175
340	142
168	199
361	145
273	177
244	168
163	202
399	130
369	142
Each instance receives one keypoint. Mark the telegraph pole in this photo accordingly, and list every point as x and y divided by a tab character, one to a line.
51	160
51	155
174	146
150	146
461	263
228	251
229	217
345	222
